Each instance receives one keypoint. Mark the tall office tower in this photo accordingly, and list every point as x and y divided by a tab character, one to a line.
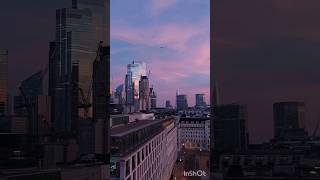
3	82
168	104
78	32
134	72
153	99
200	100
119	94
182	102
288	117
230	127
101	99
144	93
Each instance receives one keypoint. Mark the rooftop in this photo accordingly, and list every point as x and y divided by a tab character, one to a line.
131	127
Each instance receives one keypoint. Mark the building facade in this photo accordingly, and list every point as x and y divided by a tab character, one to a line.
144	150
194	133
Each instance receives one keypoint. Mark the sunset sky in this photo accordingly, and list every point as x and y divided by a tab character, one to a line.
140	27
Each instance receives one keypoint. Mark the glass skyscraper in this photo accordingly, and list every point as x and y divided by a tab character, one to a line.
3	82
78	32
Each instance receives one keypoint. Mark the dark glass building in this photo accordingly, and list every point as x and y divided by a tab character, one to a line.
200	100
78	32
288	117
182	102
230	128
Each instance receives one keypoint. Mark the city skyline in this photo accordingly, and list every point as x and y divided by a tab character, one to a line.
172	37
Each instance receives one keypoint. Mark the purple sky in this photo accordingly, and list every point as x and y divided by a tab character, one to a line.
139	28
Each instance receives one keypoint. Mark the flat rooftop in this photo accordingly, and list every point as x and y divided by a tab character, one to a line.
132	127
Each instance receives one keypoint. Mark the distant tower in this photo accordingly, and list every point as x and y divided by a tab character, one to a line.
182	102
200	100
288	117
153	97
144	93
3	82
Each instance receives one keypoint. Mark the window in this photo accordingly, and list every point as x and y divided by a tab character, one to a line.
138	154
133	162
127	167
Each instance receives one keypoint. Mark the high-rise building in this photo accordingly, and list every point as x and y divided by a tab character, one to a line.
200	100
78	32
230	127
153	98
144	93
119	94
134	72
182	102
288	116
3	82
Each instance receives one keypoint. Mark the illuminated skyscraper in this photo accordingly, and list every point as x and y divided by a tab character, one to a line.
3	82
134	72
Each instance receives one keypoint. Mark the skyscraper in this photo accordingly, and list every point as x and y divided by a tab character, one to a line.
3	82
288	116
134	72
200	100
230	127
144	93
78	32
153	98
182	102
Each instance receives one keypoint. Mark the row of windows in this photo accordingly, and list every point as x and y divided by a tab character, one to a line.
146	155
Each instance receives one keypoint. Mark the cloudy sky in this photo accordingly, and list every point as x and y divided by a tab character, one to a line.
140	27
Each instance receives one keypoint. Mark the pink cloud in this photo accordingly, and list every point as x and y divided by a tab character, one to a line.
190	58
